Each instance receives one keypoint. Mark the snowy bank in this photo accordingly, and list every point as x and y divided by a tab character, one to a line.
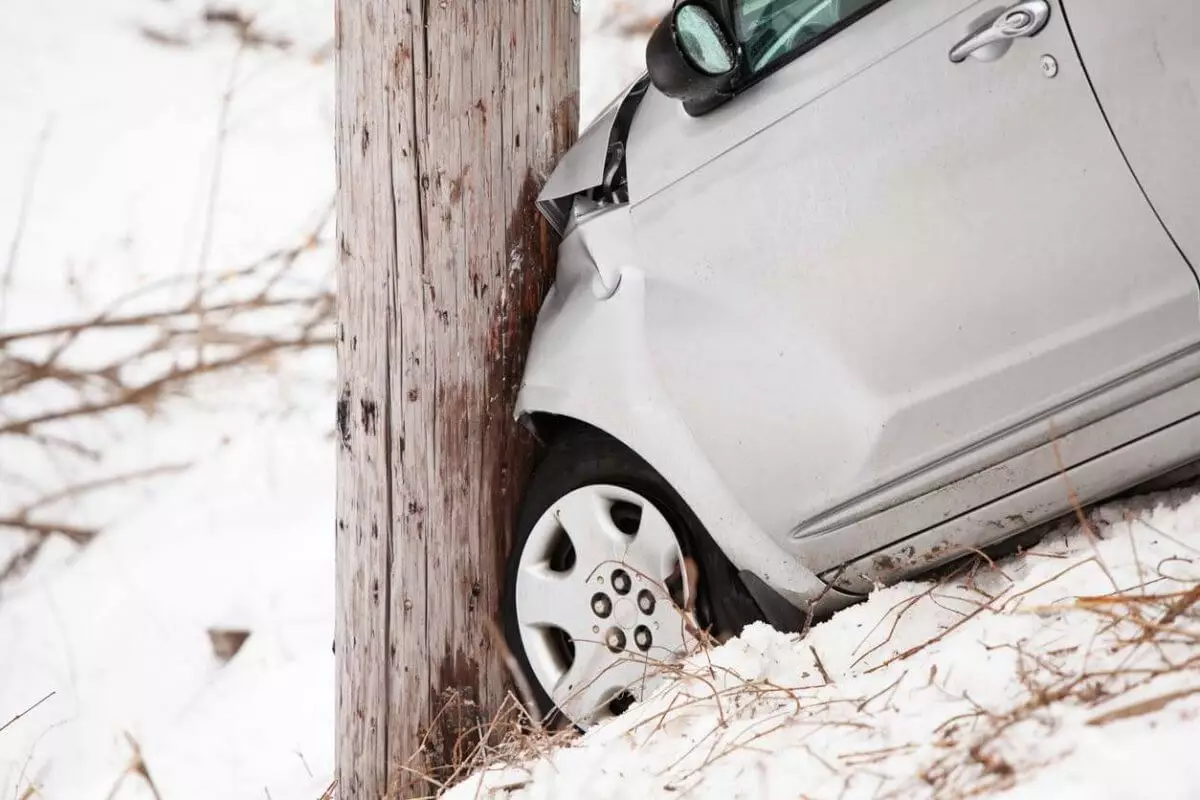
1070	670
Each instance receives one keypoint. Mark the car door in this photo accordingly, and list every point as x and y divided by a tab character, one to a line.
878	270
1143	59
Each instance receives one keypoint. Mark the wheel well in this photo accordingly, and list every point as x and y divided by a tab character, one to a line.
547	427
731	606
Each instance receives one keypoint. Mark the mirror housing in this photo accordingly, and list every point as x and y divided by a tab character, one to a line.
679	74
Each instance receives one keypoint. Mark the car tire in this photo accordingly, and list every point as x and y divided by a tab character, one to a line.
585	469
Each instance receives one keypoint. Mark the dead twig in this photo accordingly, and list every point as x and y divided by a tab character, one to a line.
214	188
890	687
89	487
1180	606
243	26
918	648
77	534
517	674
164	38
137	766
13	721
820	665
22	519
23	559
1144	707
154	389
1085	524
14	247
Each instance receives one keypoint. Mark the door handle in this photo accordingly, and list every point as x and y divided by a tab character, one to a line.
1026	18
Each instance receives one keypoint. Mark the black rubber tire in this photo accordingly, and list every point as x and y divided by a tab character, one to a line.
585	457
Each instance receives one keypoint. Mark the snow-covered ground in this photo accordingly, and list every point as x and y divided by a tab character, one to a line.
1069	671
131	170
146	150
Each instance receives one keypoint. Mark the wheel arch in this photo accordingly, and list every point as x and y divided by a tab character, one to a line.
548	427
725	603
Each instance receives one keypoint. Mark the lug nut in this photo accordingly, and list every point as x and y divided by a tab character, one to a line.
646	601
615	639
601	605
621	582
643	638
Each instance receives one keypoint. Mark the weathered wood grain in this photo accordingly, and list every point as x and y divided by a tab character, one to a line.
449	114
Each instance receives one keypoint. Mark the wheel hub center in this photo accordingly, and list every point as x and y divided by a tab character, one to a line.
625	613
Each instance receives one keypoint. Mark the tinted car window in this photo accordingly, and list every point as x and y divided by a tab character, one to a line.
772	29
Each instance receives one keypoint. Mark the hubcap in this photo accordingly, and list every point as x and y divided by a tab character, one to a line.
598	589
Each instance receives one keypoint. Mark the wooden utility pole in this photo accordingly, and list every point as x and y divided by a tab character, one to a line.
449	115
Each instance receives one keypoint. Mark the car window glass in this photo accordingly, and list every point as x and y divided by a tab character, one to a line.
771	29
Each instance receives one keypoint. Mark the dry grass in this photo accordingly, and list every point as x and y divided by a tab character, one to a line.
517	734
137	768
1156	637
511	737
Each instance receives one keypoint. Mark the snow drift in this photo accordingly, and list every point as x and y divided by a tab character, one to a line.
1069	670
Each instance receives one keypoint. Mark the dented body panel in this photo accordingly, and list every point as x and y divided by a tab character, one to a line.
589	362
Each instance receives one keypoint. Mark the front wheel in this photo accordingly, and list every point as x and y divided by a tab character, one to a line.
597	578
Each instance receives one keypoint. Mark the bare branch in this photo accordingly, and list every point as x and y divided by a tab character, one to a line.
14	247
9	724
75	533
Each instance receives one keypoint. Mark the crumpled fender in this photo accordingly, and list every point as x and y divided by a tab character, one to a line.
589	362
582	167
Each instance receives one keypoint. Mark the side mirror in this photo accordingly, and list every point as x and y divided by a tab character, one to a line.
690	57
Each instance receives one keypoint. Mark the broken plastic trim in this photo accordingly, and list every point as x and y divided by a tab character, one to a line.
614	186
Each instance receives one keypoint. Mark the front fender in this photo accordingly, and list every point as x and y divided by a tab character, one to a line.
589	361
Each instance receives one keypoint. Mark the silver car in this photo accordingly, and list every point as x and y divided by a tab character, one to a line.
849	289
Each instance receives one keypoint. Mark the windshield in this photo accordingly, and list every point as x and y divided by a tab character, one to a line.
769	29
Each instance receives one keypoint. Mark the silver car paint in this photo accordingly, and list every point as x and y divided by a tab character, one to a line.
1094	473
1140	406
1144	61
589	361
764	344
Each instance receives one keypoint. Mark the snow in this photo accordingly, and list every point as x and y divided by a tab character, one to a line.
143	147
118	631
613	49
1009	679
129	137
